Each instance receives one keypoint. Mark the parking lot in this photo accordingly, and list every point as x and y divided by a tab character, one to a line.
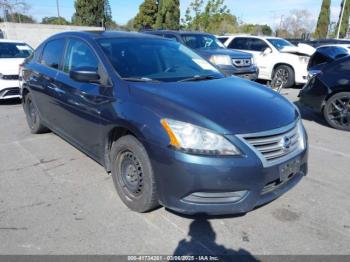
56	200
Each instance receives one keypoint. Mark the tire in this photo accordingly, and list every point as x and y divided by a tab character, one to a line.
32	115
337	111
283	77
133	175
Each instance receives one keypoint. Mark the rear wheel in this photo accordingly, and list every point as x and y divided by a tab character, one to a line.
32	114
337	111
283	77
133	175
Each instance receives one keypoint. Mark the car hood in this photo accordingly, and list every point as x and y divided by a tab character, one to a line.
301	49
228	105
222	51
10	66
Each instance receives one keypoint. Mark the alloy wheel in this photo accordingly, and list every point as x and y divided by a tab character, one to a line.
339	111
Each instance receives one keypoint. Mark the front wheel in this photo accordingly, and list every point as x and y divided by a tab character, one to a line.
283	77
133	175
337	111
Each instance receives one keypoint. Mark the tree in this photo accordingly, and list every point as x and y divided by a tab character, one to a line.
147	16
54	20
256	29
17	17
296	24
344	17
130	25
323	20
168	16
89	12
214	17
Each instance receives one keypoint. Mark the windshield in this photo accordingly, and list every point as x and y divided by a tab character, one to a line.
15	50
280	43
202	42
155	59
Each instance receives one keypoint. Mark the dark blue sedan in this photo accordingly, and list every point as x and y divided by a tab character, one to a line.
168	126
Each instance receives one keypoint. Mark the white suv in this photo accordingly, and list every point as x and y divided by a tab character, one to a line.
277	59
12	55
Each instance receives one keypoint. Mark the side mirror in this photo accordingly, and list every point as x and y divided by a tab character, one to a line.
267	51
84	74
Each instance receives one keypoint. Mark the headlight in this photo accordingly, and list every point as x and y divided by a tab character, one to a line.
302	135
304	59
221	60
252	61
197	140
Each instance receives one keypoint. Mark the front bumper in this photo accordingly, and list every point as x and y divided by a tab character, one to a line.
250	73
9	89
217	185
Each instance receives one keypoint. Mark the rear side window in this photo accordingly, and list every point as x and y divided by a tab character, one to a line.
239	43
52	53
246	43
79	55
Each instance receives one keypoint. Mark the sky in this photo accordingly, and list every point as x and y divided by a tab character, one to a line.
249	11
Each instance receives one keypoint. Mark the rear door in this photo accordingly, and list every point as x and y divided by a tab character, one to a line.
41	79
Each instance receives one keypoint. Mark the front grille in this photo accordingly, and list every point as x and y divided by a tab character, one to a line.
275	146
10	77
242	62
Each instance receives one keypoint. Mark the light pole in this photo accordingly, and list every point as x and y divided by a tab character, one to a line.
341	19
58	8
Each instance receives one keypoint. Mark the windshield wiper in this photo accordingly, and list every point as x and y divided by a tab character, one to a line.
140	79
199	78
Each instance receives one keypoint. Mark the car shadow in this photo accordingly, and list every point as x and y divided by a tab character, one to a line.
308	114
10	102
201	241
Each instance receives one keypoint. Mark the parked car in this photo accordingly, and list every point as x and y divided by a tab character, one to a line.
327	41
328	90
278	60
228	61
12	55
325	55
167	124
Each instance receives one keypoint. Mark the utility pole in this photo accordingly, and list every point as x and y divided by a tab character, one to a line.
58	8
341	19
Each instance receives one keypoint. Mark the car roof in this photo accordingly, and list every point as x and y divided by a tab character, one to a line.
175	32
11	41
252	36
105	34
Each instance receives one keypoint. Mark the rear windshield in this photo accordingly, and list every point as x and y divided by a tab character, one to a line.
15	50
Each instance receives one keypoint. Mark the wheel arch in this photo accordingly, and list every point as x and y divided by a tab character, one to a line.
330	94
113	135
282	64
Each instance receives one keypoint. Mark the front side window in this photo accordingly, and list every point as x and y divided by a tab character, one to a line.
257	45
52	53
155	59
15	50
202	42
79	55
